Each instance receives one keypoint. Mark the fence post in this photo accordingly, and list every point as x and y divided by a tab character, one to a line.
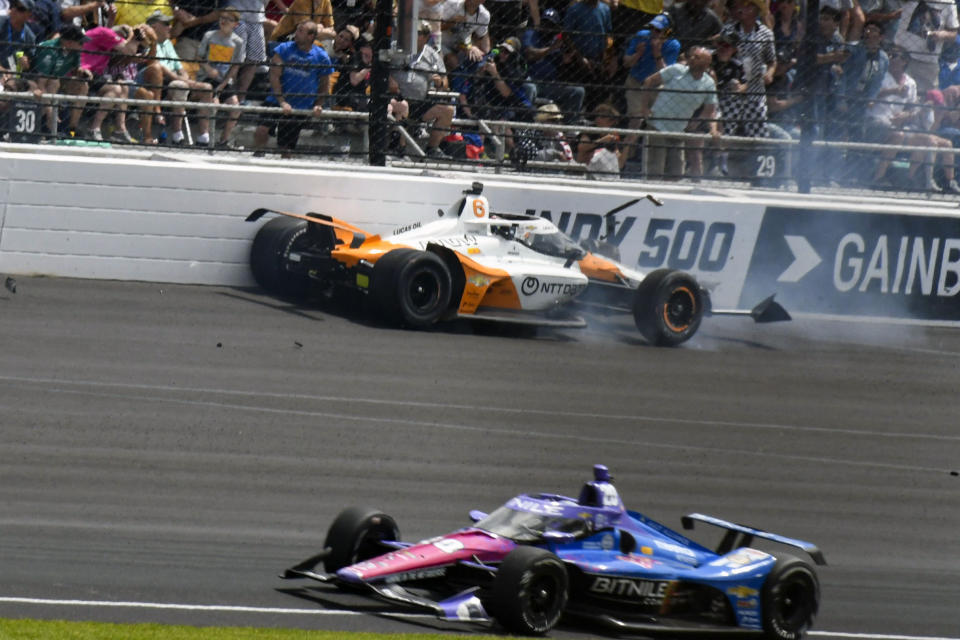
379	100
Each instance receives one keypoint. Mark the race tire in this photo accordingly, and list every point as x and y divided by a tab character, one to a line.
268	257
791	598
529	592
411	288
668	307
354	536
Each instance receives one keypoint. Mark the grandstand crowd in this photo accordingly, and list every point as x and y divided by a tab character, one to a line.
636	76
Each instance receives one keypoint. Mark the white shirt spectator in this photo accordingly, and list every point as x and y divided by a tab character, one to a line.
475	25
885	110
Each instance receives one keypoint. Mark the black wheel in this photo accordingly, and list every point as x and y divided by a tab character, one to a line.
529	592
668	307
791	597
411	288
268	256
354	535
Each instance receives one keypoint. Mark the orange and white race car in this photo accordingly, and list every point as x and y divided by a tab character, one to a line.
476	263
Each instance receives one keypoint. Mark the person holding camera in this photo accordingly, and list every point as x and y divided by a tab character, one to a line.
110	57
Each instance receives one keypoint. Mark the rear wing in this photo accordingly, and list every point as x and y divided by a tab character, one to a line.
739	535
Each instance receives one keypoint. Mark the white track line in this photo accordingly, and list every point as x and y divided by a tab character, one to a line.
328	612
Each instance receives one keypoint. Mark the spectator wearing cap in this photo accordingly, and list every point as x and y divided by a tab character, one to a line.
317	11
424	71
925	26
730	76
299	79
17	39
601	152
466	31
552	146
495	88
757	52
895	109
673	96
648	51
178	85
543	49
694	22
56	70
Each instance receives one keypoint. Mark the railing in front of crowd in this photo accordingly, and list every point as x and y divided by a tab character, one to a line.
766	162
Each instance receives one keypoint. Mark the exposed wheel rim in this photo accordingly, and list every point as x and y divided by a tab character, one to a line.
680	309
794	604
424	291
543	601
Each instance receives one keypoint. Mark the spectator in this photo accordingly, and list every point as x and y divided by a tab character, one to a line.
940	116
56	70
632	15
496	88
317	11
507	17
758	55
78	13
694	22
543	49
431	11
551	146
850	19
673	95
924	28
896	108
466	27
424	71
826	86
950	64
731	83
221	53
863	75
788	31
45	19
193	19
299	79
601	151
343	44
649	50
586	26
361	13
109	56
180	87
134	12
250	28
353	84
17	44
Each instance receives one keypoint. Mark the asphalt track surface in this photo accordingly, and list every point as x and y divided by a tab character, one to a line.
174	447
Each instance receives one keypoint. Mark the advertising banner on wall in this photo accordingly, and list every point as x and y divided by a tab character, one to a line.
858	264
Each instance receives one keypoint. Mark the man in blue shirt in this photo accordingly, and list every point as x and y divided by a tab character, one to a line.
299	79
16	36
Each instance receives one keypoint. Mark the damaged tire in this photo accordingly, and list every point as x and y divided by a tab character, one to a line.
668	307
270	254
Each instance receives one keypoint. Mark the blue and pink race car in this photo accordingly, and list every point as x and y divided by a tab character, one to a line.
543	556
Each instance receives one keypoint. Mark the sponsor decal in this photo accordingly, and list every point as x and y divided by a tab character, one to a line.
448	545
646	563
404	229
419	574
683	554
606	542
749	603
647	592
474	250
456	242
689	244
647	551
479	280
534	506
742	591
532	286
741	558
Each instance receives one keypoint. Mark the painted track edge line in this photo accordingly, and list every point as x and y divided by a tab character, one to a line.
281	610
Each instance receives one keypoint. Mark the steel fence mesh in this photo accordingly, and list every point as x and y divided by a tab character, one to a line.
795	95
